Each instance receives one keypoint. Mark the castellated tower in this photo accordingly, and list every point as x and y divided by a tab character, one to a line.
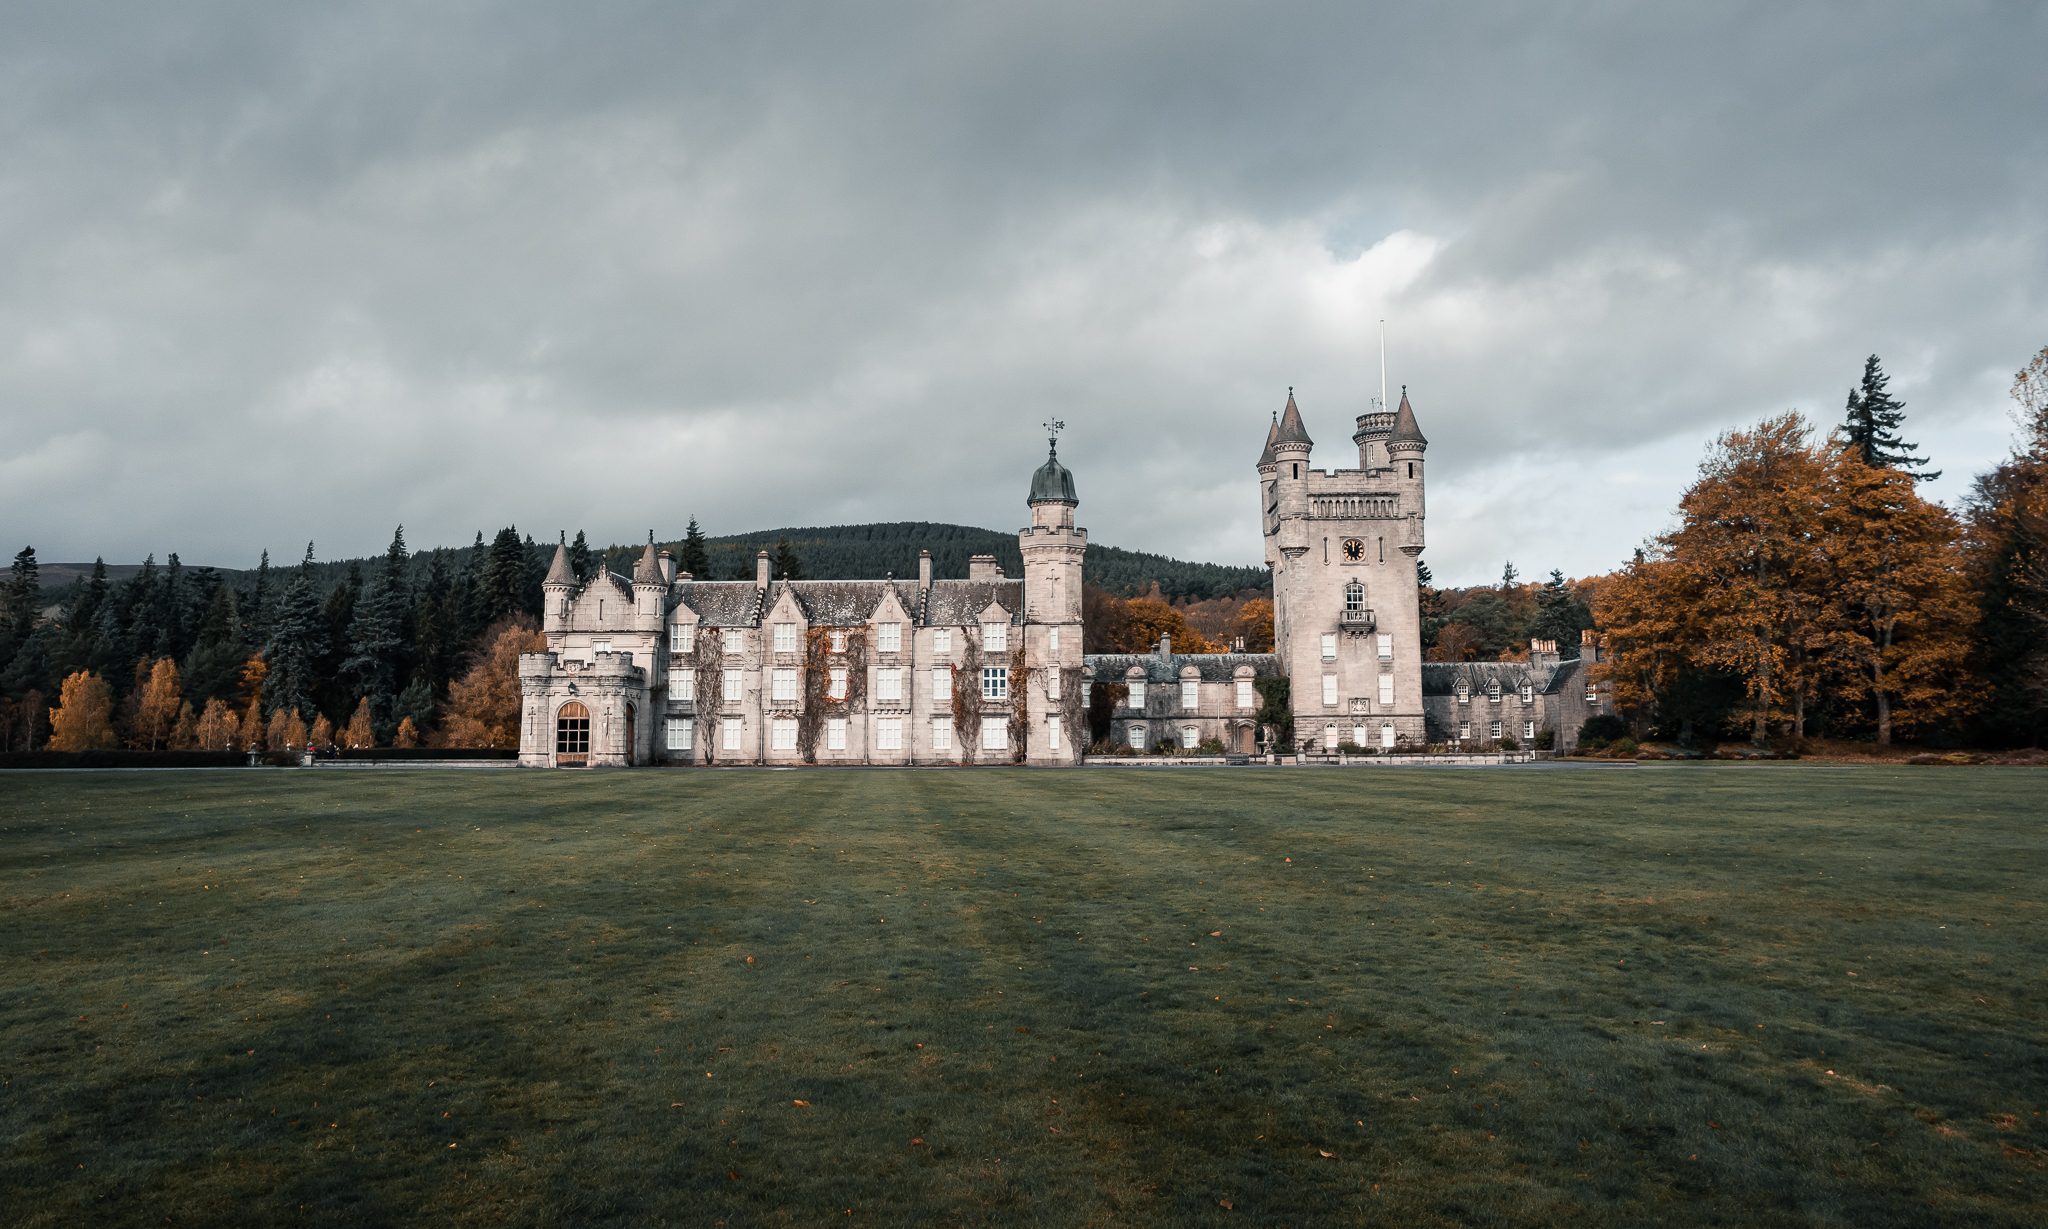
1342	546
1053	547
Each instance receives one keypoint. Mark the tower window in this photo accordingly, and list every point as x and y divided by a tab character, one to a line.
1354	596
1297	469
1411	469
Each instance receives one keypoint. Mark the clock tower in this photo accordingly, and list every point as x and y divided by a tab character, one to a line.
1342	545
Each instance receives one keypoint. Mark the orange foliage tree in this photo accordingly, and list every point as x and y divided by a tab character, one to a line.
217	727
84	717
483	705
156	710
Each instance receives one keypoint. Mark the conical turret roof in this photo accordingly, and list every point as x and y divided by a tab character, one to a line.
1405	429
1290	431
1051	483
648	570
559	572
1272	434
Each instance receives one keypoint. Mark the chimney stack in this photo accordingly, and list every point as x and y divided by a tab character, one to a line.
924	569
668	567
982	567
761	570
1589	648
1543	652
1166	645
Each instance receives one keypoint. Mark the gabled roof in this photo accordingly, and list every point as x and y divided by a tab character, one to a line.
1291	432
1213	667
722	603
1405	429
959	603
846	603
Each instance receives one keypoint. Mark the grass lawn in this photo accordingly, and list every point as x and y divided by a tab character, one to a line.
1729	995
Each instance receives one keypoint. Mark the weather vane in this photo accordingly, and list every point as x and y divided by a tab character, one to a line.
1053	427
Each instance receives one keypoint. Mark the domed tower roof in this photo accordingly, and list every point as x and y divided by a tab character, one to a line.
559	572
1051	483
1405	429
1290	431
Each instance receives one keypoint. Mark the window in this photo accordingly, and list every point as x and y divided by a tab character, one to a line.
1528	693
1592	695
599	646
735	639
785	637
835	686
1528	730
1330	737
1387	735
995	682
1358	736
889	733
942	640
1464	692
783	685
889	684
1329	646
942	682
1134	734
681	733
1493	690
995	733
1052	639
729	733
889	638
1138	693
838	640
1354	596
995	637
682	682
572	732
1052	683
942	734
732	686
1494	733
835	734
1190	695
1329	689
1052	733
686	637
1386	646
1189	736
1386	690
1087	691
1244	694
1464	729
782	734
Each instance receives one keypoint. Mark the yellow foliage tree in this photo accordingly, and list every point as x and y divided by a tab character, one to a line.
483	705
217	727
185	734
408	735
84	717
252	733
360	736
287	731
1255	624
322	733
157	701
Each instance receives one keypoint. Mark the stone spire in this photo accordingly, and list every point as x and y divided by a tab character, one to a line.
1405	429
559	572
648	570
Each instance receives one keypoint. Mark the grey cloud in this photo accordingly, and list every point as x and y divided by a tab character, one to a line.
282	274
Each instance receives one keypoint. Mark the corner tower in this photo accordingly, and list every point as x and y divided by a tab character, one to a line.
1053	547
1342	546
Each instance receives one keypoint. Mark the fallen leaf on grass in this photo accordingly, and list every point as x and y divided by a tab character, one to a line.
800	1103
1326	1154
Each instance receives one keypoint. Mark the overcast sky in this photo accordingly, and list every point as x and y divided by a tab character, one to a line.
276	272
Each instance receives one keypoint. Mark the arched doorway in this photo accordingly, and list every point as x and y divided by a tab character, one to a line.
630	743
1244	740
572	736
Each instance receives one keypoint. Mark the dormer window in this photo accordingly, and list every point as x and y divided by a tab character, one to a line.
889	637
1528	693
838	641
1464	692
995	637
1493	690
785	637
942	640
686	637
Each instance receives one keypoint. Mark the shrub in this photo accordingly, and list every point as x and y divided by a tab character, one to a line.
1508	743
1350	748
1211	746
1601	729
1546	739
1623	746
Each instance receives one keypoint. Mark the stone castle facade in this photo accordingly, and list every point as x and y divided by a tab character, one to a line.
663	668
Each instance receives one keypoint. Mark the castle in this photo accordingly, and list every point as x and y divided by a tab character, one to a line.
662	668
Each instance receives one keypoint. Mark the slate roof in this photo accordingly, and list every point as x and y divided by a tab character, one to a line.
843	603
1440	678
1052	483
559	572
847	603
959	603
1272	436
648	570
1405	429
1214	667
722	603
1291	429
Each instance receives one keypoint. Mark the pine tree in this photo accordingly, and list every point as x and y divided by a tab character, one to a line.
579	556
215	665
1560	615
1871	426
260	607
502	580
377	636
20	603
298	637
696	558
787	565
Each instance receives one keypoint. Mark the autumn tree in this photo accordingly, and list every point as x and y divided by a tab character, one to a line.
287	730
360	734
2006	544
408	735
84	717
252	733
217	727
156	712
1900	605
1255	625
483	705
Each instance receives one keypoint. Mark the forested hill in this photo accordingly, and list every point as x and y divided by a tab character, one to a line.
852	552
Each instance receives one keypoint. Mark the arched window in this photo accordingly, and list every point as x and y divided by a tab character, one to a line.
1135	734
1189	737
1387	735
572	735
1354	596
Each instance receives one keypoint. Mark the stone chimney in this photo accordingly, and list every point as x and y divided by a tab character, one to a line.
761	570
1543	654
1589	648
983	567
1166	645
924	570
668	567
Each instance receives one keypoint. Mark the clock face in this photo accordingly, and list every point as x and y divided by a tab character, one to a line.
1354	550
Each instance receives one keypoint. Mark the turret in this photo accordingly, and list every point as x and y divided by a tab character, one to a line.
557	588
1053	548
1290	448
649	588
1405	446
